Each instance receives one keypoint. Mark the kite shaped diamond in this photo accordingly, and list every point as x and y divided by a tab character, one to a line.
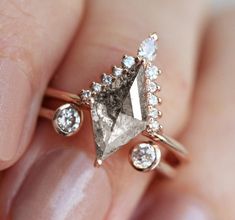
119	113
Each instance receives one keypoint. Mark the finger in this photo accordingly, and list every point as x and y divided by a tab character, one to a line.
205	188
115	188
32	42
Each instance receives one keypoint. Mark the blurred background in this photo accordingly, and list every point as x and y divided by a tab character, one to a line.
223	3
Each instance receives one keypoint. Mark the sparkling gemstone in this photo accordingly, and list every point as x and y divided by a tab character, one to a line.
152	99
117	71
85	95
128	61
152	72
67	119
153	124
119	113
96	87
148	48
151	87
153	113
107	79
144	156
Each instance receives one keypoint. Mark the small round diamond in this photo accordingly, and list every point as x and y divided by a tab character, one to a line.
153	113
148	49
152	72
153	124
117	71
107	79
128	61
85	96
96	87
151	87
67	119
152	99
145	156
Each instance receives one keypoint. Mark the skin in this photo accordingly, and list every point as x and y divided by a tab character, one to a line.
71	43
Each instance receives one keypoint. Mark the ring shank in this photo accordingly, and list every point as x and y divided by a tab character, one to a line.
63	96
170	145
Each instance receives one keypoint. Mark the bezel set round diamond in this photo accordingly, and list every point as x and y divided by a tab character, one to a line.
67	119
145	156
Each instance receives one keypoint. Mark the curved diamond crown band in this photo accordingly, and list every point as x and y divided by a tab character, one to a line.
124	112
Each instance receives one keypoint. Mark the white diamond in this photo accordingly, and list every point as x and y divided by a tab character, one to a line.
152	99
107	79
152	72
153	124
144	156
85	95
128	61
148	48
153	113
67	119
117	71
151	87
96	87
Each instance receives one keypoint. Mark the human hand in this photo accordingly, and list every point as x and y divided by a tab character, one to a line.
55	178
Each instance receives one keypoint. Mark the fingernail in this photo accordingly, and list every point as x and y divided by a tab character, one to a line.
63	185
14	101
174	207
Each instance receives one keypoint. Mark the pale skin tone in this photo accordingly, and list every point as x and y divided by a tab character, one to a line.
71	43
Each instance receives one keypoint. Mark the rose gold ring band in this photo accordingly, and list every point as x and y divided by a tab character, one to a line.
124	113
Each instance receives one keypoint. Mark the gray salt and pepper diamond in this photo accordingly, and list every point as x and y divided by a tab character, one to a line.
119	113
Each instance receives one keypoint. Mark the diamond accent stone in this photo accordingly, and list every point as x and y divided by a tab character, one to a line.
152	99
153	112
145	156
119	113
148	48
117	71
107	79
153	124
152	87
152	72
85	96
67	119
96	87
128	61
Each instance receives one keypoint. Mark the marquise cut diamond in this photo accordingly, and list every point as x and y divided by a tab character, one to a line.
148	48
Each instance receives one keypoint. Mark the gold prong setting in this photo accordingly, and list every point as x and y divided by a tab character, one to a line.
147	51
118	73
